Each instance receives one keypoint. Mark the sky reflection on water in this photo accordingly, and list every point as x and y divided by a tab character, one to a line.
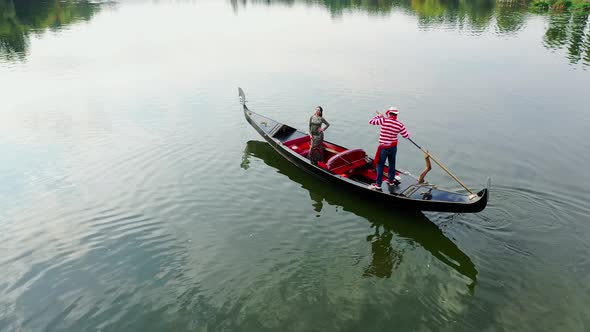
567	32
116	120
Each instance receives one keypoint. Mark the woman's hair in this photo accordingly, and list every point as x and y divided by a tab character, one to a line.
321	110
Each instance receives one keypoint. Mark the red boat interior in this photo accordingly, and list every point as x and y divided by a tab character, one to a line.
350	163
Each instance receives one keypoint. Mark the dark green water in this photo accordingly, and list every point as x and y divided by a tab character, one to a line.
135	197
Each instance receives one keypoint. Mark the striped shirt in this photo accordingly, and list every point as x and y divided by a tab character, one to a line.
390	128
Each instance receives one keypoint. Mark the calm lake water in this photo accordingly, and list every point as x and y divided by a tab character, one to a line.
135	197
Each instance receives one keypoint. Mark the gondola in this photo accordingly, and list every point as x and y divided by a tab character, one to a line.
353	170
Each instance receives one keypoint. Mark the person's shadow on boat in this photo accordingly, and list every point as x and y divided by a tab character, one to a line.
385	259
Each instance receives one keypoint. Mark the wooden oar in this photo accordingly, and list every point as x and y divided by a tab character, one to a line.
441	166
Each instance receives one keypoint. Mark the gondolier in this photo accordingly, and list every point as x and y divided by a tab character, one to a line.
387	150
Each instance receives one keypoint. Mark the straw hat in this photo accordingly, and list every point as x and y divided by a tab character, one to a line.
392	111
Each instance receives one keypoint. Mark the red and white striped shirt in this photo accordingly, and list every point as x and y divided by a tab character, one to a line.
390	128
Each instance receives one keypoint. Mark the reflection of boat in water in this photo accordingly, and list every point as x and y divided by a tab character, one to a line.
385	259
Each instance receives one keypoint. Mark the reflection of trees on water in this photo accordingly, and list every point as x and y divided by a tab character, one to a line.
474	15
510	16
471	14
567	31
386	252
570	32
19	18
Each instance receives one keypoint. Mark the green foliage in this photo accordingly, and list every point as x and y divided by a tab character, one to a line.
581	5
540	5
19	18
561	5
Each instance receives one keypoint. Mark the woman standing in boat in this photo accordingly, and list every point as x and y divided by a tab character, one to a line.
316	133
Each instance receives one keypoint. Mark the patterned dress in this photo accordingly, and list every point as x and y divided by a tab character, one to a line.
316	150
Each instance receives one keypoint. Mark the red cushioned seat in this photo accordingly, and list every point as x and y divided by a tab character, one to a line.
347	161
